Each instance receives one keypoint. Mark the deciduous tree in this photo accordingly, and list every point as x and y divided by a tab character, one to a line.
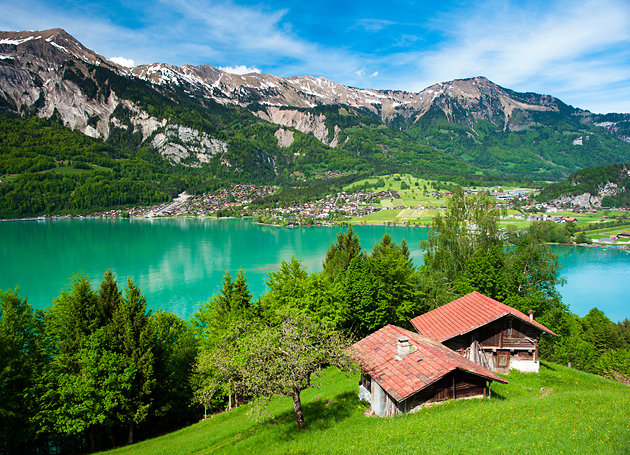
283	358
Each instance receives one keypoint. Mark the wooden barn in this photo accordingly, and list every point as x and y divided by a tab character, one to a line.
402	371
488	332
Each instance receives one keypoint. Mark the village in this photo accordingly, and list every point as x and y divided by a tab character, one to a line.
392	205
235	201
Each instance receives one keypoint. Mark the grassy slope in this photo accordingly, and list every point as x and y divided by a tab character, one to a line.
575	413
415	196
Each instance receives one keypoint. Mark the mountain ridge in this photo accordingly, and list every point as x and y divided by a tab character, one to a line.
473	124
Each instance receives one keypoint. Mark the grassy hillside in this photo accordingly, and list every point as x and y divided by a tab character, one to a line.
559	410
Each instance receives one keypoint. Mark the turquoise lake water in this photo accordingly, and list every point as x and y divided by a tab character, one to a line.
179	263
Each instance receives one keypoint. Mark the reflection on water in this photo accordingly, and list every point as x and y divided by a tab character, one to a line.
596	277
179	263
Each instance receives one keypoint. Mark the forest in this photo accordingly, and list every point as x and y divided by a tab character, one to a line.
97	369
593	180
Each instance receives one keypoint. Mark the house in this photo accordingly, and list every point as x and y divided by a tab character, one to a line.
402	371
488	332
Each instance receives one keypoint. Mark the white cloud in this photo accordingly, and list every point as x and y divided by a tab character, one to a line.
263	36
122	61
362	73
240	69
566	48
578	51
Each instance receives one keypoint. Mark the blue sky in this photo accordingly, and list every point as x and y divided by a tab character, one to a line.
578	51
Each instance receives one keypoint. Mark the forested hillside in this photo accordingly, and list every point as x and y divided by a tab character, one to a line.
46	168
611	183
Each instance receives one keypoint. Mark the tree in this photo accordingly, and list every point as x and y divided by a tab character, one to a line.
233	301
485	272
20	359
204	383
86	397
466	252
213	322
175	350
65	383
108	298
397	281
241	303
132	338
341	253
283	358
286	288
101	368
469	224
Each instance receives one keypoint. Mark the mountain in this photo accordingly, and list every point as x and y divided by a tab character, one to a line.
607	186
264	126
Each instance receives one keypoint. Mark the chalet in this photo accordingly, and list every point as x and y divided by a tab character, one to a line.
488	332
402	371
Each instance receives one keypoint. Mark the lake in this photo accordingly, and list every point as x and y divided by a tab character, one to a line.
179	263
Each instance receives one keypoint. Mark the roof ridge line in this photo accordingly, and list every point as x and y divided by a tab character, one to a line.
514	312
430	348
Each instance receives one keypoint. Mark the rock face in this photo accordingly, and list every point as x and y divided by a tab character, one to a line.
181	144
302	121
285	137
50	74
592	200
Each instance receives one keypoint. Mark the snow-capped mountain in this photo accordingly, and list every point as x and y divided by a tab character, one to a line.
50	74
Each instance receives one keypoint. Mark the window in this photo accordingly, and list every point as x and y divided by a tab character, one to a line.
510	328
502	360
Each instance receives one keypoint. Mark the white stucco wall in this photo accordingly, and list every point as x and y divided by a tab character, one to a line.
526	366
378	399
364	394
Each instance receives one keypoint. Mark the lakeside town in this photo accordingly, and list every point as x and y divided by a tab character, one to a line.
391	205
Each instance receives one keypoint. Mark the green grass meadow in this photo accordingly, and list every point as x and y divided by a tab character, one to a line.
419	194
556	411
607	232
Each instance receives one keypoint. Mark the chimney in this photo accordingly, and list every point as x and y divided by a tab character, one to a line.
404	348
531	315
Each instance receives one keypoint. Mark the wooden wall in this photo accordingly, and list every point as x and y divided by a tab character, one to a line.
457	384
506	332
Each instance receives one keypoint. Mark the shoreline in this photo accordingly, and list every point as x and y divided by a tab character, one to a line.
595	244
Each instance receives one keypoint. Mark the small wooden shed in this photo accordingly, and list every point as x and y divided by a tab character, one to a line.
486	331
402	371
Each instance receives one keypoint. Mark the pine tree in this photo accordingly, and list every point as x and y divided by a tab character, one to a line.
341	253
108	298
132	337
241	304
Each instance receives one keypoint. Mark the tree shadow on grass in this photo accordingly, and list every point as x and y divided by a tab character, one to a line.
322	413
319	413
497	396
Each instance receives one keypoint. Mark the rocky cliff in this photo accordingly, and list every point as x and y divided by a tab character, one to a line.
470	121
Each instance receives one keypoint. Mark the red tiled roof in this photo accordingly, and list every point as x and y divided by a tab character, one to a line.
376	355
464	315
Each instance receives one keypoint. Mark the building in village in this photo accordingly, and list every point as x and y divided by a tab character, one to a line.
488	332
402	371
